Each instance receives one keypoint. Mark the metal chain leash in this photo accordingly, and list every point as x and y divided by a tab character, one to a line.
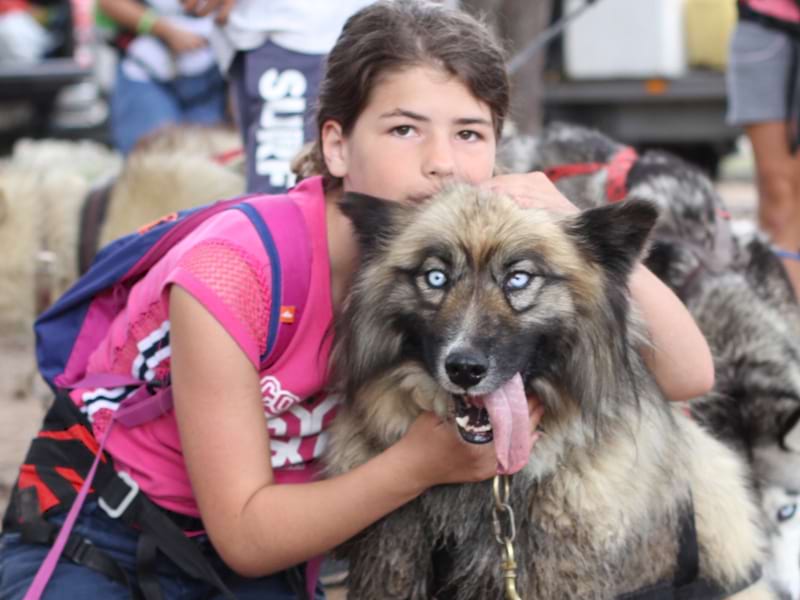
505	531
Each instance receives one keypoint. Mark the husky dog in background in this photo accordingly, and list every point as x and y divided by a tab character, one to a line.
467	299
737	291
690	210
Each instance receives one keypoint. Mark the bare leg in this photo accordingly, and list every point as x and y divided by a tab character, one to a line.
778	178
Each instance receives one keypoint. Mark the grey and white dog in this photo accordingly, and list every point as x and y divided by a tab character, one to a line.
456	299
737	291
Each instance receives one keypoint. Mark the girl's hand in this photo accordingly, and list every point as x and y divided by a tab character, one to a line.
437	454
531	190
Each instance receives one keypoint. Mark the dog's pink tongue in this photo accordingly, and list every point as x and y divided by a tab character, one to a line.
508	412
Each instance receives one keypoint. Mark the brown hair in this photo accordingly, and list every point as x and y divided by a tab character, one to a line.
389	36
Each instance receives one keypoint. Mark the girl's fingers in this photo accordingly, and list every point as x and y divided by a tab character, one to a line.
531	190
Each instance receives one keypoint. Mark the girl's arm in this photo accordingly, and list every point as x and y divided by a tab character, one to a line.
680	359
257	526
133	15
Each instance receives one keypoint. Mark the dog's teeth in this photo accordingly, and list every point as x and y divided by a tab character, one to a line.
464	423
481	429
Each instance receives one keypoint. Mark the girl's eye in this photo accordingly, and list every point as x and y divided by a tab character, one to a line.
518	280
786	512
403	130
436	279
469	136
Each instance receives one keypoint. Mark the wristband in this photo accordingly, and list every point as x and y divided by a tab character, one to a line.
146	22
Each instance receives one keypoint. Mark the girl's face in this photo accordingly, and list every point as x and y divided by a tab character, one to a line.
420	128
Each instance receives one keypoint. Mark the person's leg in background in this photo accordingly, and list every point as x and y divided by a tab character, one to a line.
778	180
275	91
758	75
139	108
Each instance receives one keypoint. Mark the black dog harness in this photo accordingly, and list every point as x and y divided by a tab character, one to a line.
687	584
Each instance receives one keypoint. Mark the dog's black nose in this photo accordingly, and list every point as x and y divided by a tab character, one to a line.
466	368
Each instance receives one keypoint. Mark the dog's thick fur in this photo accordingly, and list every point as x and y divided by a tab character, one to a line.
599	505
741	299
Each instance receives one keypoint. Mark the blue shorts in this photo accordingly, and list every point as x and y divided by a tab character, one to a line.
275	92
139	108
19	563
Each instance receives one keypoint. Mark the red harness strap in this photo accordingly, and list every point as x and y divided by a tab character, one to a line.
617	170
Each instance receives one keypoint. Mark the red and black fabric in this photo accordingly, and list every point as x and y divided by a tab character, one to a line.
54	468
57	459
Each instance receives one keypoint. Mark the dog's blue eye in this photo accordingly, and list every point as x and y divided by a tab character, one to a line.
436	278
518	280
786	512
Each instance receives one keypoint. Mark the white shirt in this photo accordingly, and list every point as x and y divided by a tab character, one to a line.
147	56
308	26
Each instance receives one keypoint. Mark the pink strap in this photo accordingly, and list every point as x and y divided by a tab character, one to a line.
48	566
143	407
104	380
313	567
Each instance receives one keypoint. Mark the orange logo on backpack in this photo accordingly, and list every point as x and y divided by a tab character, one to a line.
287	314
165	219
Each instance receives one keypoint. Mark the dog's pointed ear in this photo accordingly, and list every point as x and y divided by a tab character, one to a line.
373	218
614	235
790	436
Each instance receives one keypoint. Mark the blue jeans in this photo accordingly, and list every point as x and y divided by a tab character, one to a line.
19	563
141	107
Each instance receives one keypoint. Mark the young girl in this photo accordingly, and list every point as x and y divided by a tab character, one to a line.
415	95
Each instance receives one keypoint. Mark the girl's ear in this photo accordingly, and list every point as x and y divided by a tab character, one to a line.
334	149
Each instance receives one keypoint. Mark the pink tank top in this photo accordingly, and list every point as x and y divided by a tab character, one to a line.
223	264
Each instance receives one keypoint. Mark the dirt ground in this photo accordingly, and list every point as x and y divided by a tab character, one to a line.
20	416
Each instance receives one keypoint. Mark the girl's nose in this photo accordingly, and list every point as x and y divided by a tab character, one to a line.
439	161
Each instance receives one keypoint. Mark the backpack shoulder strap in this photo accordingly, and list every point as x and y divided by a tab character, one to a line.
282	229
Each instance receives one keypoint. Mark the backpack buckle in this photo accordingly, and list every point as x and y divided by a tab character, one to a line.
78	548
133	490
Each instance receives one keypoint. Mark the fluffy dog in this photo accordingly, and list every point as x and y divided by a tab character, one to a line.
467	299
738	292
